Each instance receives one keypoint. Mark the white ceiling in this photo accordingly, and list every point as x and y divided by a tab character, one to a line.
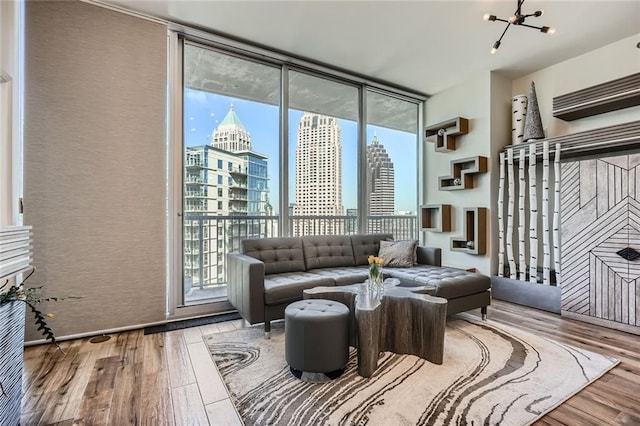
426	46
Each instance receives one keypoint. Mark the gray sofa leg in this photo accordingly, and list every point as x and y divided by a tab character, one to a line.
483	311
267	329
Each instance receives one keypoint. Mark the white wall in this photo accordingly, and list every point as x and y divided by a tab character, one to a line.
485	101
471	100
610	62
9	112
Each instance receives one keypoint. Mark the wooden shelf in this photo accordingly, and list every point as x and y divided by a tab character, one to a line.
444	134
462	172
436	217
606	97
474	234
600	141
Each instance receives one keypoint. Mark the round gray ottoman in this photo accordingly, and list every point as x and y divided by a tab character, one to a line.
316	339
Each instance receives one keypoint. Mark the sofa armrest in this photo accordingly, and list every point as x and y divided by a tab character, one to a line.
246	286
429	255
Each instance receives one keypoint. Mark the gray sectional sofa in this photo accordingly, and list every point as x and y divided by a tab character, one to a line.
271	273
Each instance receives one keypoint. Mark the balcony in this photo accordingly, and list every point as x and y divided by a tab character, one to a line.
239	185
238	197
238	171
196	194
209	281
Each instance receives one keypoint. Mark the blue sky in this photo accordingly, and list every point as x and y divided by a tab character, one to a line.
203	111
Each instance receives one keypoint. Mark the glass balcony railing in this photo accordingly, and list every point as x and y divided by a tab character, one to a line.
223	234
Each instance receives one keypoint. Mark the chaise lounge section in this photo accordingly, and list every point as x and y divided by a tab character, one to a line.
271	273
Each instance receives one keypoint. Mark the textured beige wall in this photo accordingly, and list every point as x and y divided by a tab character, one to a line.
95	164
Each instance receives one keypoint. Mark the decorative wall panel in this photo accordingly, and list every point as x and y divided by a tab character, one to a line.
600	205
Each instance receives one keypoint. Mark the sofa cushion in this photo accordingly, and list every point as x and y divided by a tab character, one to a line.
344	275
327	251
278	254
288	287
398	253
366	245
449	282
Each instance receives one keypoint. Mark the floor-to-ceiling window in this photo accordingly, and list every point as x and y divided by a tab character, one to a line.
270	149
323	147
391	165
231	162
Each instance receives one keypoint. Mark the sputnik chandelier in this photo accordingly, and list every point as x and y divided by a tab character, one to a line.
518	18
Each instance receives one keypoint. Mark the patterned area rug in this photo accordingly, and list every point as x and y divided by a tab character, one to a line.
492	374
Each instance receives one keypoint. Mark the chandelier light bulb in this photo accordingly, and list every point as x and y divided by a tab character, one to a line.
551	30
495	47
486	16
538	13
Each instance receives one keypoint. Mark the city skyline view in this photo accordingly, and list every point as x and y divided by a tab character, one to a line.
203	112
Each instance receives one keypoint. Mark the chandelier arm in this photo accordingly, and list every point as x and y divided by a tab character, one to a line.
504	32
530	26
502	20
519	9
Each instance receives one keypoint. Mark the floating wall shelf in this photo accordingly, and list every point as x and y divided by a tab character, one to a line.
436	218
474	234
603	140
606	97
444	134
462	172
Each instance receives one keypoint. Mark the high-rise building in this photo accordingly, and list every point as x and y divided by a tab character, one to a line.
230	135
380	180
318	176
222	181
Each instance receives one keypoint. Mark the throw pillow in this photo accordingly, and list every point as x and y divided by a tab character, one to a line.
398	254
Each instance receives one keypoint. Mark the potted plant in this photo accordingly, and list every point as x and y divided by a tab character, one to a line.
31	297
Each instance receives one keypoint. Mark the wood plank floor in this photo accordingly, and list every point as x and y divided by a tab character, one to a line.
169	378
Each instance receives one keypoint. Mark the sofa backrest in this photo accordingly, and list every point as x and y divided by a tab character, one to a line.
327	251
366	245
278	254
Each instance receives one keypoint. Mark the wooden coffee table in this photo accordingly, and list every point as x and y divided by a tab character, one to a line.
404	320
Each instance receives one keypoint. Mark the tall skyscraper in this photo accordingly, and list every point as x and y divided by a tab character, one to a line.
380	180
318	176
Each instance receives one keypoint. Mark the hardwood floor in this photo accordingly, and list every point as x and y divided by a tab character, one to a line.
169	378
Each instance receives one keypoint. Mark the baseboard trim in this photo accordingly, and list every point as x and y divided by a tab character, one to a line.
538	296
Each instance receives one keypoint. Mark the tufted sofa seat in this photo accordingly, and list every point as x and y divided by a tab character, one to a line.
271	273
